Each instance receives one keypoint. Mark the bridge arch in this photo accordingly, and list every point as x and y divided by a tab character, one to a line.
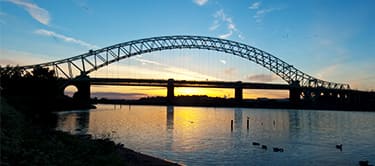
95	59
70	90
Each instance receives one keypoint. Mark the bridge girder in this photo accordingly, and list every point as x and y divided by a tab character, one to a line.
95	59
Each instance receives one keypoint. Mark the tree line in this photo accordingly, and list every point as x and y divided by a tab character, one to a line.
16	73
16	81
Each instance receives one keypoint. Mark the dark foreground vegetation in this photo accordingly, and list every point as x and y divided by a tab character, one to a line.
27	141
27	127
38	90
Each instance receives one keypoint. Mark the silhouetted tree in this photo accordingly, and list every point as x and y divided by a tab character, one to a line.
16	73
11	73
18	81
43	73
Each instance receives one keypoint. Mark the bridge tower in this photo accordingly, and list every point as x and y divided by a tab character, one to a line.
170	92
238	91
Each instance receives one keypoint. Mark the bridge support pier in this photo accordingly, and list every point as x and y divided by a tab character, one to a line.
170	92
294	92
83	93
238	92
294	95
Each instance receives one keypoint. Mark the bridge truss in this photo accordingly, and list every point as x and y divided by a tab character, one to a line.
96	59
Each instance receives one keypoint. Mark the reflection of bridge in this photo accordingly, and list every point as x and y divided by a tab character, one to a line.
76	68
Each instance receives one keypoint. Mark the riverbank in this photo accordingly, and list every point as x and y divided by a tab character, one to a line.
27	142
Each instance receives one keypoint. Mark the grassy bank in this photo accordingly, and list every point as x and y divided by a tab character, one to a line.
26	143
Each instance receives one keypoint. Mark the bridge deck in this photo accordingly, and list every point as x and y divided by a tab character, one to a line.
185	83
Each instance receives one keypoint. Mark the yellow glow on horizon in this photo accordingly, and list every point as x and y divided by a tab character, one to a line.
261	93
189	91
129	91
211	92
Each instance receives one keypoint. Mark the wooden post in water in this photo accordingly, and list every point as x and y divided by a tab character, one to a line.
247	123
231	125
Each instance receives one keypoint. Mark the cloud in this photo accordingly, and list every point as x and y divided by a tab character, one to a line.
327	72
116	95
14	57
145	61
226	35
200	2
260	14
215	25
67	39
230	71
5	62
231	26
261	78
270	94
255	5
222	18
241	36
38	13
223	61
170	71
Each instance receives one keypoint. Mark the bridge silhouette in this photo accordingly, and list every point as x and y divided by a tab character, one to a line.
171	84
300	85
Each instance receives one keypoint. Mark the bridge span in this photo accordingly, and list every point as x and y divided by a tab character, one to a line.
75	70
296	93
80	65
238	86
186	83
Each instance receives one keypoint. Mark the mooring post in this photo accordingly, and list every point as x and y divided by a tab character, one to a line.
247	123
231	125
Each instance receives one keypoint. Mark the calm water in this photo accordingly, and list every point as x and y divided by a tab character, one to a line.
203	136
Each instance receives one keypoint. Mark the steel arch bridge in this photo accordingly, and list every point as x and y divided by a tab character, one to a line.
96	59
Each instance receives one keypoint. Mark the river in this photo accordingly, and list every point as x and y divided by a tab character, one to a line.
204	136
